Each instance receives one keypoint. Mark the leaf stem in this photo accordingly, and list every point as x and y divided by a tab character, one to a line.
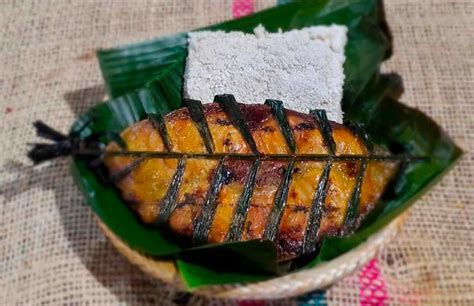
262	156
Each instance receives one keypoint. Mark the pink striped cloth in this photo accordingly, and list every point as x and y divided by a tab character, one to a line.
242	8
372	288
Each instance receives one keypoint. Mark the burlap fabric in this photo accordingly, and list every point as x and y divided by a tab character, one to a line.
51	249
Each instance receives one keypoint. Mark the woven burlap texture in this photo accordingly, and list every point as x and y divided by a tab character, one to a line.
51	249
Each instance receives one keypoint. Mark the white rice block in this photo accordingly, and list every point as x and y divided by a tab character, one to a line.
303	68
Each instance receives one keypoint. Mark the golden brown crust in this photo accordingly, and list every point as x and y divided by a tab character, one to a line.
146	185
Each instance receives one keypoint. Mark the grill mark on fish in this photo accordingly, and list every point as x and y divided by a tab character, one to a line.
248	228
312	226
351	214
298	208
204	221
325	129
233	110
180	114
288	242
227	176
267	129
227	142
169	202
293	194
243	204
271	173
273	222
190	199
351	169
196	112
117	177
212	108
236	171
362	133
223	122
159	125
255	116
279	113
329	209
304	126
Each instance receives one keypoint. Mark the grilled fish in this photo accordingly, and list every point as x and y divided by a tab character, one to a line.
253	171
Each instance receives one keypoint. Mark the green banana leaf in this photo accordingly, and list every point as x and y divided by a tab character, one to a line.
147	78
130	67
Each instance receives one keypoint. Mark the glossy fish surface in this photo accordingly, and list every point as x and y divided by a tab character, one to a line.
238	180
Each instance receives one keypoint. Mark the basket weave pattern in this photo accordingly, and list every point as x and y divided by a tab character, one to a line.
281	287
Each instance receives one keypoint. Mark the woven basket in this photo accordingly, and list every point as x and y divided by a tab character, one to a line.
289	285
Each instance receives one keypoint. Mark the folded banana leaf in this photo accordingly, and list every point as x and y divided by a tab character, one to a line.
148	77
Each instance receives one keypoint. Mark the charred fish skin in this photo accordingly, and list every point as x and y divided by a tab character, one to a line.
250	171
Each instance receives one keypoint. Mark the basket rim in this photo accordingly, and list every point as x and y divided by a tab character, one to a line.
293	284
